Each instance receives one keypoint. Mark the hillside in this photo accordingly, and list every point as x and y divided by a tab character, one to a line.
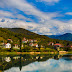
16	33
67	36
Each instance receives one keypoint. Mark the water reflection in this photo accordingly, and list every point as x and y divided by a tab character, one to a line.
36	63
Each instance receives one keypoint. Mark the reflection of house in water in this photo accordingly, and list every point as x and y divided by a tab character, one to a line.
22	60
17	57
7	59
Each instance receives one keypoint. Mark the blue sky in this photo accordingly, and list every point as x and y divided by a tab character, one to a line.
45	17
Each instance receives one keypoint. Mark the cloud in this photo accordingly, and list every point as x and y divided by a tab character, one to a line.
50	65
10	23
50	2
68	13
5	14
46	23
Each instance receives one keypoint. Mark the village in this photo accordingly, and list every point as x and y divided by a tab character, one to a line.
31	43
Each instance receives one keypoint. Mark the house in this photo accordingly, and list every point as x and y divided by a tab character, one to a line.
24	38
31	44
16	46
9	40
42	46
35	45
30	40
34	40
69	46
51	43
8	45
58	45
24	41
22	45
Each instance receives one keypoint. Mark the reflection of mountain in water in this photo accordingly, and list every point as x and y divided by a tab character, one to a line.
6	62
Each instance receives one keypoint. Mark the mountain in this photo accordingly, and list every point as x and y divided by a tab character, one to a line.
67	36
18	33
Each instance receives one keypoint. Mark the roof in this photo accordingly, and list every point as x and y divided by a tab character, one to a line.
24	40
8	44
9	39
15	44
57	44
31	43
35	44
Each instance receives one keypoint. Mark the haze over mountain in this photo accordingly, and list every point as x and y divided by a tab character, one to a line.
66	36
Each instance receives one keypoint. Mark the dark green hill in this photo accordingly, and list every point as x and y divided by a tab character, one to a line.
16	33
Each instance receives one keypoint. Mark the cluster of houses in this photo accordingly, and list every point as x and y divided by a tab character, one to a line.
58	45
30	42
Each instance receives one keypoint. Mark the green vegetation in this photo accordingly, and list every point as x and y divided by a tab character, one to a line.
17	34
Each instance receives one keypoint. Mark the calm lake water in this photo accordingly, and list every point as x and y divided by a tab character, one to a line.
36	63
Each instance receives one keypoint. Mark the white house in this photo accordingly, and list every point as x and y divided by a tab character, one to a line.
16	46
8	45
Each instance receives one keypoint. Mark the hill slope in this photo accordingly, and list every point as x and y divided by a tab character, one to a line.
67	36
15	33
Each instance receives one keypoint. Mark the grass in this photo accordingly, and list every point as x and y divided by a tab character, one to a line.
16	53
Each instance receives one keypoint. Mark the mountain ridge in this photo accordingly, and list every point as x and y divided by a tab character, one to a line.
66	36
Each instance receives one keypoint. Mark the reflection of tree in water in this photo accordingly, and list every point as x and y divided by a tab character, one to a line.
20	63
23	60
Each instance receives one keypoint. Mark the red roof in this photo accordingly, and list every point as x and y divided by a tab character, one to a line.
15	44
9	39
31	43
35	44
57	44
23	40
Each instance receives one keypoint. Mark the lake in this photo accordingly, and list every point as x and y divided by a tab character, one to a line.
36	63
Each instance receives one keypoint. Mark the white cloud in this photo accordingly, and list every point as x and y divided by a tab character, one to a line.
10	23
50	2
46	24
50	65
68	13
5	13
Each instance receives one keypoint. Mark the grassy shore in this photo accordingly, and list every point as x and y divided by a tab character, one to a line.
14	53
7	53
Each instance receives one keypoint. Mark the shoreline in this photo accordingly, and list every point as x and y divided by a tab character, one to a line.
61	52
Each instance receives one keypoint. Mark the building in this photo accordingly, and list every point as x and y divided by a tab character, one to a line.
58	45
31	44
9	40
16	46
35	45
34	40
51	43
69	46
30	40
24	41
8	45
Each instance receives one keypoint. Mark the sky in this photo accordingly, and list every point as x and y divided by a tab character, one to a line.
44	17
50	65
